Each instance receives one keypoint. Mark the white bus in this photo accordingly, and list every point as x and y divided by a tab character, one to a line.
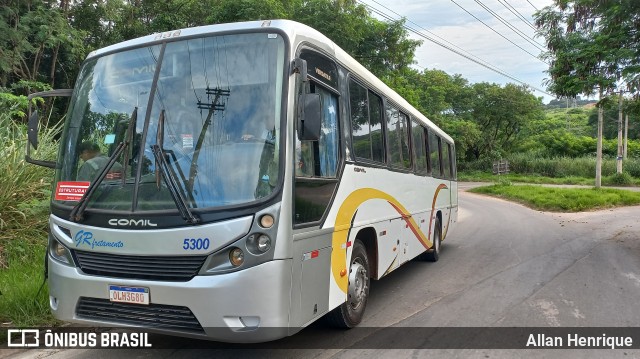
237	182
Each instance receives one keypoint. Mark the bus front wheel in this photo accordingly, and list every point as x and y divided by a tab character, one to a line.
350	313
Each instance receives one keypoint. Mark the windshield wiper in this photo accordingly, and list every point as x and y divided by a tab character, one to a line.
164	170
78	210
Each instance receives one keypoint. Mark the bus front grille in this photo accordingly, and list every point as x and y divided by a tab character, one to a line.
157	316
163	268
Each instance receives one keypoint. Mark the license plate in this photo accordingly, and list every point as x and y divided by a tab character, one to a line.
135	295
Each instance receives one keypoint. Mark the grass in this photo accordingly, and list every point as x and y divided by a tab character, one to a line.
23	303
24	208
612	180
477	176
562	199
23	249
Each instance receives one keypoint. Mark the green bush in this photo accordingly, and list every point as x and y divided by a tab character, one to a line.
632	167
552	167
482	165
22	182
534	164
503	181
620	179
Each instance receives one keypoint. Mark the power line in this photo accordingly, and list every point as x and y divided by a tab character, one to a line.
517	14
494	30
450	48
532	5
511	27
449	44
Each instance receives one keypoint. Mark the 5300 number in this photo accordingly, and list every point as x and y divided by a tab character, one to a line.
191	244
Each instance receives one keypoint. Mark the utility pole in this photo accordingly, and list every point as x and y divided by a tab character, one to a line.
626	135
620	149
599	145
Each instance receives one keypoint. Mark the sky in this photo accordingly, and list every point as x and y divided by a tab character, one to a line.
447	22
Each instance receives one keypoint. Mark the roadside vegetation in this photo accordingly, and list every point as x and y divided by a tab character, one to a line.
561	199
24	207
560	149
563	170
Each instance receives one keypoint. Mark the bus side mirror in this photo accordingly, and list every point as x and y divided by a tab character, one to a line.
310	121
34	122
309	106
32	135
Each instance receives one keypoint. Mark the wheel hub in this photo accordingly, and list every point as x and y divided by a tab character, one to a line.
357	285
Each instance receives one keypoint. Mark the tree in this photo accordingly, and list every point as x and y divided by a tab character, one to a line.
37	41
382	47
246	10
435	93
610	128
593	47
500	113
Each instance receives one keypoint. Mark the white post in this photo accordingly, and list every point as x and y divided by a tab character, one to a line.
620	150
599	145
626	135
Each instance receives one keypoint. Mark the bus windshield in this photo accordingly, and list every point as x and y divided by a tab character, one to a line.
203	113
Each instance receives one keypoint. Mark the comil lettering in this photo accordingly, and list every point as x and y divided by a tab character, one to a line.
132	222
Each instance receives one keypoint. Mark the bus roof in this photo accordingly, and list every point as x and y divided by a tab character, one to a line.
297	33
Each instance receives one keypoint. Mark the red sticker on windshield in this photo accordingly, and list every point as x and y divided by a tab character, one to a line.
71	191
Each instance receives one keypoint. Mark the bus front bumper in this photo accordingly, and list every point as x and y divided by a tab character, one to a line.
250	305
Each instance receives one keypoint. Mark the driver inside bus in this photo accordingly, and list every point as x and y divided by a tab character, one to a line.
94	162
261	130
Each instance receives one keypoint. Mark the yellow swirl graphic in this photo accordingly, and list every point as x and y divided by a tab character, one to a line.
343	223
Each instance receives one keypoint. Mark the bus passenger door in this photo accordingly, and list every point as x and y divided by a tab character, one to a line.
312	259
317	166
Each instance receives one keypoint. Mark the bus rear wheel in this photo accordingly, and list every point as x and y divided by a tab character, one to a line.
433	254
350	313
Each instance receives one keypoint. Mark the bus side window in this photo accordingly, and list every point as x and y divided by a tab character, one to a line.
317	164
320	158
366	123
376	116
446	161
360	130
398	138
419	147
434	154
454	171
329	140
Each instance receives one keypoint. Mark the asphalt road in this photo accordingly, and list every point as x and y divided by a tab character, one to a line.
504	265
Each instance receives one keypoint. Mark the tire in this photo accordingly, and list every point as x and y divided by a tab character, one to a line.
433	254
350	313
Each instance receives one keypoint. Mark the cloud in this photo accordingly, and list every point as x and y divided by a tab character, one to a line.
444	19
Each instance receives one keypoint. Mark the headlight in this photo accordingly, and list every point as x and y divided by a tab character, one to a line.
266	221
59	252
258	243
264	243
253	248
236	257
